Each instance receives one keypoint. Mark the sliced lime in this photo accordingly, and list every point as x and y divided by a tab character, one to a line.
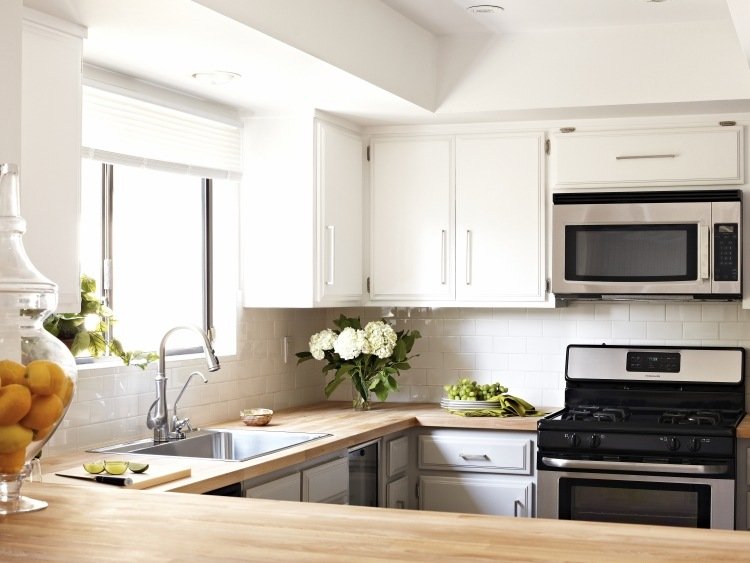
116	467
138	467
94	467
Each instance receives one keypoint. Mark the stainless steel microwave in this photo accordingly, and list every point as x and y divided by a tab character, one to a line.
647	245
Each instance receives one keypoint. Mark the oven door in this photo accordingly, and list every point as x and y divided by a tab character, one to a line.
636	498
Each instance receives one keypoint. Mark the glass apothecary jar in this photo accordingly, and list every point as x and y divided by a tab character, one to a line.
37	372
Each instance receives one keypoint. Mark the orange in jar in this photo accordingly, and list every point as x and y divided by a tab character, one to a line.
44	377
12	372
15	402
12	462
65	392
44	411
44	432
14	437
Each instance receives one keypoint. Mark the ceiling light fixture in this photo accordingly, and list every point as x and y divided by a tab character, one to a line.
485	9
216	77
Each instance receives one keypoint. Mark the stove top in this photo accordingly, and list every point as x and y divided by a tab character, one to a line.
612	414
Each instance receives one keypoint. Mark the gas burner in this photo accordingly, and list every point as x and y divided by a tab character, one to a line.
577	414
611	414
706	418
596	414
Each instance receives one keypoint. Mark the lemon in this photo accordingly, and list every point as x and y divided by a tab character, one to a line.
116	467
138	467
94	467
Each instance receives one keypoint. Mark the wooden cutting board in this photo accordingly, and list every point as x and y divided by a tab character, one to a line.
156	474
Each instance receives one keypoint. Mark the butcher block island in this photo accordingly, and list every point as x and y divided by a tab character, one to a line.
107	523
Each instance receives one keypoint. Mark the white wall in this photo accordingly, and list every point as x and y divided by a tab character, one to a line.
11	18
687	62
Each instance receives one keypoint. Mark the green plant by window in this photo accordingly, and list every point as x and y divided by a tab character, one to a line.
86	332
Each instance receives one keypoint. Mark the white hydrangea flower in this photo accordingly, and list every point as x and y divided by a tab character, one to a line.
349	343
380	339
320	342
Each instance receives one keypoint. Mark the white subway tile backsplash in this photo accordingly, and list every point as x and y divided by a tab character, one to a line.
522	349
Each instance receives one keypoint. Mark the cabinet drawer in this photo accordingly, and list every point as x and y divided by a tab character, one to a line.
283	488
476	494
328	482
668	157
398	456
490	454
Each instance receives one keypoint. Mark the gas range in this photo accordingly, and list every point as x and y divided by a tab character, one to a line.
641	423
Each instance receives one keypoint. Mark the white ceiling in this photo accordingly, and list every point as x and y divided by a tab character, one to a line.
166	41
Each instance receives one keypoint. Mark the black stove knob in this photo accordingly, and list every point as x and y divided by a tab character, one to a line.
574	440
673	444
594	441
694	444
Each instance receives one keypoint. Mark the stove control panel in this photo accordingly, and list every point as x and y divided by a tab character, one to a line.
664	362
635	443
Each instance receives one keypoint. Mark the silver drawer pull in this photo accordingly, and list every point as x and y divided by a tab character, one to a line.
637	156
474	457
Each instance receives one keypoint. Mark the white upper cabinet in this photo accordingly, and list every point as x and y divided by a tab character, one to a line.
50	167
458	219
411	218
301	213
339	215
500	218
648	157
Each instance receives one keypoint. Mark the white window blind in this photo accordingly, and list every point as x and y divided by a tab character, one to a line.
125	130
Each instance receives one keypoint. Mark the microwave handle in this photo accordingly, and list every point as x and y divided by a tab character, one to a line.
704	239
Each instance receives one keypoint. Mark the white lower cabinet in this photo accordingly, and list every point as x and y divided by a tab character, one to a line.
394	471
476	471
397	493
315	481
476	494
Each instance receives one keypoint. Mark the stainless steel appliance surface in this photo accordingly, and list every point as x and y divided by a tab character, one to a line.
647	245
363	474
647	435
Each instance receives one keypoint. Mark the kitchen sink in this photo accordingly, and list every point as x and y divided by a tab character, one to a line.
224	445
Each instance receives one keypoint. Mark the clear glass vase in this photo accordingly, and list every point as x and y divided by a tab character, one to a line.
37	372
359	403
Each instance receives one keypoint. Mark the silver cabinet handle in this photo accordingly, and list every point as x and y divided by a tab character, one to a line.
468	257
705	237
637	156
444	257
474	457
516	504
331	253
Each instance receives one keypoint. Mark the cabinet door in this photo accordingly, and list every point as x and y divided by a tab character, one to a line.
397	493
50	169
648	157
327	482
500	245
476	494
339	213
411	220
283	488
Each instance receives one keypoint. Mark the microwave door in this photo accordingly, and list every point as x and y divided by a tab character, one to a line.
632	249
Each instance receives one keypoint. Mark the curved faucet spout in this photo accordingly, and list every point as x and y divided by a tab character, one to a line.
158	416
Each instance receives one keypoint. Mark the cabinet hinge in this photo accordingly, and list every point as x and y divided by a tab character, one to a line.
368	284
567	129
368	153
416	490
727	123
547	145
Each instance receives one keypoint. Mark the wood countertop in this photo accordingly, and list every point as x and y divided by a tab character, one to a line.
97	524
346	426
743	430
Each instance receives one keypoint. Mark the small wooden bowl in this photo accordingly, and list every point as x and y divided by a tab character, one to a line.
256	417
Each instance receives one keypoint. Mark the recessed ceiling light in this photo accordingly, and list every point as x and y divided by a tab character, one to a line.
485	9
216	77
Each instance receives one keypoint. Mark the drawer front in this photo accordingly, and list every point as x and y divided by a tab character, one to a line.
283	488
699	156
490	454
476	494
328	482
398	456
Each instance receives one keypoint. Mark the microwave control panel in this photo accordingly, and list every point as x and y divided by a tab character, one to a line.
726	256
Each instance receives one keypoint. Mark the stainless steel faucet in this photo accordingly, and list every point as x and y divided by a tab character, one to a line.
158	415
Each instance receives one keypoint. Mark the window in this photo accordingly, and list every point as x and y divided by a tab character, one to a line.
160	237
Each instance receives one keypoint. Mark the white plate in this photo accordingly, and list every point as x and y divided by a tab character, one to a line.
468	405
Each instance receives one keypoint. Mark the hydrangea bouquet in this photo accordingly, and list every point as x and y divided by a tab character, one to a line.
371	356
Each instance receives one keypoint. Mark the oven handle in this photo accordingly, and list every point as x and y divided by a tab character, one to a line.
635	466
